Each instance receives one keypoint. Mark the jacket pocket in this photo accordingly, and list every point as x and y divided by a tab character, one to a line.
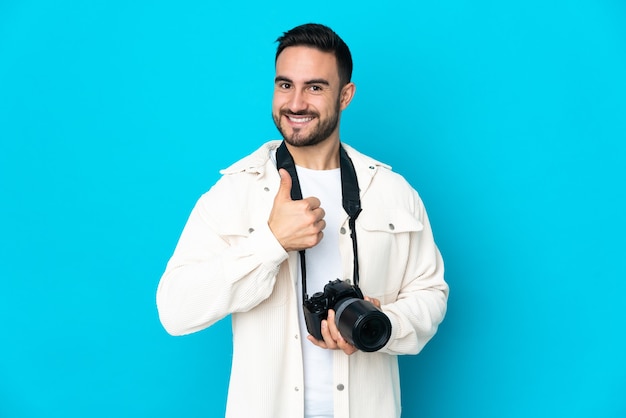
384	240
392	221
236	235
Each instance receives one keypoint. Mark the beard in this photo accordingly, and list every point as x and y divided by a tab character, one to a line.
324	128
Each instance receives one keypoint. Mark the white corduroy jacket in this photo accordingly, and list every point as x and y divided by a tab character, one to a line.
227	261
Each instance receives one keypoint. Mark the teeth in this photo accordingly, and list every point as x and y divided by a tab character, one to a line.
300	120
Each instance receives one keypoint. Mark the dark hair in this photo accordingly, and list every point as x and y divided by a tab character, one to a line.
323	38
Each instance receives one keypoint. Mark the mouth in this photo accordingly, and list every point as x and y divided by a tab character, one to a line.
298	121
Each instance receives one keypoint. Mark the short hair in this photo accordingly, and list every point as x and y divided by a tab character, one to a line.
322	38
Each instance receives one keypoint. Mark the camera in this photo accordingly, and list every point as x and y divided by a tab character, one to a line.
360	322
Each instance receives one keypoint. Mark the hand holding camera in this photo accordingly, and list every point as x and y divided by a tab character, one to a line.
349	318
332	339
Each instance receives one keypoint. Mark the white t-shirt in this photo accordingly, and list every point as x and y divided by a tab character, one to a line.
323	264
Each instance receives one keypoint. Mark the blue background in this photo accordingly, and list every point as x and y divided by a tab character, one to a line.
508	117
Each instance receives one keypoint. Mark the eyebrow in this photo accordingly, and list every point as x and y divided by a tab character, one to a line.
280	78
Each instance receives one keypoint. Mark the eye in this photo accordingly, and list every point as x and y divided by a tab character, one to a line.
284	86
315	88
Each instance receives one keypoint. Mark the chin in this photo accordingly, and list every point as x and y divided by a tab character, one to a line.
303	142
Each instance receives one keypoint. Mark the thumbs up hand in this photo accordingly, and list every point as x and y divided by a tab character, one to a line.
296	224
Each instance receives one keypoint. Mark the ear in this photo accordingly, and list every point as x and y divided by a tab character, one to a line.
347	93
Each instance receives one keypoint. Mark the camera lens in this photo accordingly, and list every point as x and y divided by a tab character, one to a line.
362	324
371	330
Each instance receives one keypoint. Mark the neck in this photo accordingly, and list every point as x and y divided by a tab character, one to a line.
322	156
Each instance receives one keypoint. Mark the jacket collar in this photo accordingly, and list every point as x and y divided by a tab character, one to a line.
256	162
264	159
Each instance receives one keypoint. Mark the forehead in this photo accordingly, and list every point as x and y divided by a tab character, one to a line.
301	63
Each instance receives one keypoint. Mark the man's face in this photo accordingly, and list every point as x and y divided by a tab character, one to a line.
307	96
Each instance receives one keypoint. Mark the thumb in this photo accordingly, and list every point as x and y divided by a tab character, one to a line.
284	190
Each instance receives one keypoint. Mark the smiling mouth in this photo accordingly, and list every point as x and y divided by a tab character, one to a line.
299	119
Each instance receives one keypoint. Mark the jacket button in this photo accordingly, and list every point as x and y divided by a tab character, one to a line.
267	189
392	227
250	230
340	387
297	389
342	231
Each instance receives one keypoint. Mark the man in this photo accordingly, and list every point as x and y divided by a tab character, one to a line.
242	248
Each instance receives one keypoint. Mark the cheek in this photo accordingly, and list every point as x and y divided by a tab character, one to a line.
332	106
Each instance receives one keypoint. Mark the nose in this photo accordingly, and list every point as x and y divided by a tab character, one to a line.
297	101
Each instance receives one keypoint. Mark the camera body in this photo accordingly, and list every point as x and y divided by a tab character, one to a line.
360	322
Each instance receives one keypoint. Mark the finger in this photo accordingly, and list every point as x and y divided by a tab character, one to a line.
345	346
349	349
317	342
339	341
374	301
319	213
327	336
284	189
332	327
313	202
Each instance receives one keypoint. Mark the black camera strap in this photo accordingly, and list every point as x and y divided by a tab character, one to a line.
350	199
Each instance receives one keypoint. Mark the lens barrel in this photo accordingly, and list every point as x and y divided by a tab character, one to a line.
362	324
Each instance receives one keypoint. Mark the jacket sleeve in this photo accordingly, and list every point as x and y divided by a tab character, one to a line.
220	265
421	302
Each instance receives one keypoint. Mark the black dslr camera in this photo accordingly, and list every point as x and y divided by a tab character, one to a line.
360	322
